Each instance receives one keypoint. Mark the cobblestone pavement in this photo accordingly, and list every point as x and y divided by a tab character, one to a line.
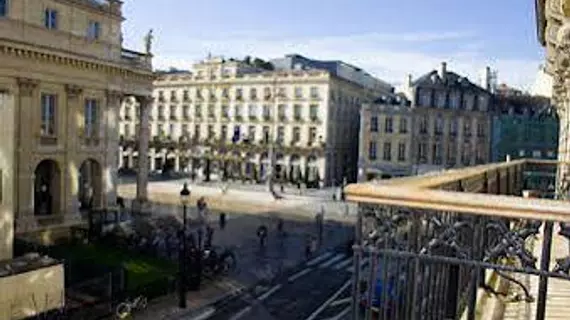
255	265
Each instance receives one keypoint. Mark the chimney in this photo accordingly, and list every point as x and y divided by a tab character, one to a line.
409	80
442	70
486	78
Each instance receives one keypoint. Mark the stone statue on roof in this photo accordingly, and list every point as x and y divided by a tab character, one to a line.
148	41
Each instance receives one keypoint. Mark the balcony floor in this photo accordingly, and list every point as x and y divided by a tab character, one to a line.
558	298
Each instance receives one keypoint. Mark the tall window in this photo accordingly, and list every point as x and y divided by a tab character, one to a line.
197	131
297	111
224	132
402	151
438	125
90	114
314	92
403	125
265	131
374	124
372	150
436	154
50	18
48	114
422	152
3	8
298	92
387	151
453	126
314	111
280	134
389	125
296	134
93	30
312	135
423	124
251	133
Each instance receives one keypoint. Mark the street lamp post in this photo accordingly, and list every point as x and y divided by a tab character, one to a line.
184	198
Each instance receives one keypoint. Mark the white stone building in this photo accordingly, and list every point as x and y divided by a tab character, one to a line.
224	119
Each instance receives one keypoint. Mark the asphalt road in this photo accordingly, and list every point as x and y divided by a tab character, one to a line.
316	290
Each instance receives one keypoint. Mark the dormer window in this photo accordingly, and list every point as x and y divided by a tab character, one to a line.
425	98
440	100
468	101
483	103
454	100
50	18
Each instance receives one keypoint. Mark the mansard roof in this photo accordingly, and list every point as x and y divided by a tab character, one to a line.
450	80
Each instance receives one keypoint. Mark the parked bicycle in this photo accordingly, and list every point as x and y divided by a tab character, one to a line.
126	308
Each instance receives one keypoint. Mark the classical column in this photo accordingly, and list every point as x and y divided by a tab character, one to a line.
152	160
120	163
27	133
110	129
177	161
143	142
70	188
130	160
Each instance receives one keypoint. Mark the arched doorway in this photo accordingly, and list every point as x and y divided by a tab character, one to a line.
47	188
264	165
90	184
312	172
295	174
280	167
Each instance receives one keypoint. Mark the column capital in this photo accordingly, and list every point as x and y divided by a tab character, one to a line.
27	86
114	94
73	91
144	101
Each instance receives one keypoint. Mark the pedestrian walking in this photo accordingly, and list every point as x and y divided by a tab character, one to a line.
209	236
262	235
222	221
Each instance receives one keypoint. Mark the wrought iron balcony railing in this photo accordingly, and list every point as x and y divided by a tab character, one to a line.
432	243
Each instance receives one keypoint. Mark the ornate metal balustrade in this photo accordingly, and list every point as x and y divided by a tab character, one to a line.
426	245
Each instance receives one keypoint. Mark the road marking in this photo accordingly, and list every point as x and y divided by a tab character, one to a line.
340	315
343	264
363	263
206	314
341	301
299	274
319	258
331	299
241	313
269	292
332	260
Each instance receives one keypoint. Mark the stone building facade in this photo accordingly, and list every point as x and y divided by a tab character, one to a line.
229	120
553	30
63	76
385	139
449	127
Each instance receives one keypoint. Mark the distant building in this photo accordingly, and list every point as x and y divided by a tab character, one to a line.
523	126
449	124
217	121
542	84
451	121
337	68
385	138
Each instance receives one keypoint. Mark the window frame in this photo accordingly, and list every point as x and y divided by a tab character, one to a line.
93	30
51	19
91	117
48	114
372	151
4	4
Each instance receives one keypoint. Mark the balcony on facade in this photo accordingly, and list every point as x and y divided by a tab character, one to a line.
137	60
474	243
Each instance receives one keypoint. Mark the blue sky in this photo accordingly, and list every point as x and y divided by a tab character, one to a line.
388	38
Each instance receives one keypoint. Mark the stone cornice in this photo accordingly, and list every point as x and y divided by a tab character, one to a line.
89	5
87	64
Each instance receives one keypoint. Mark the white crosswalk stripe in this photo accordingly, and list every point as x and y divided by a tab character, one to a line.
332	260
343	264
363	263
319	258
